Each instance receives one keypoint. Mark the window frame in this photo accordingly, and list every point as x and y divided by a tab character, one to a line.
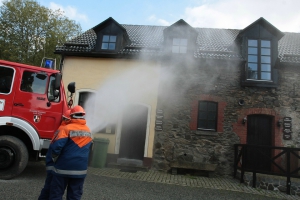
259	62
109	128
180	46
109	42
32	84
12	80
86	92
215	117
50	87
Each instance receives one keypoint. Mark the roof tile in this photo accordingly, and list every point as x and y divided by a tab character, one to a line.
211	43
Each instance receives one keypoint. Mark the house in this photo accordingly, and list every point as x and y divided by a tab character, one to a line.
165	93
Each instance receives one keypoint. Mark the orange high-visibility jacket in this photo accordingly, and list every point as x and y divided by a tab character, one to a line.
71	147
49	161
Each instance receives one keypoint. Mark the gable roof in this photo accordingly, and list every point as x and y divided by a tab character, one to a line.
266	25
107	22
180	23
211	43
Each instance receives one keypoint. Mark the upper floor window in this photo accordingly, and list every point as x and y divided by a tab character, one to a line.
109	42
179	45
259	60
6	77
34	82
207	115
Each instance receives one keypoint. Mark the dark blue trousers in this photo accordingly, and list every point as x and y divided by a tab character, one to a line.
59	184
46	189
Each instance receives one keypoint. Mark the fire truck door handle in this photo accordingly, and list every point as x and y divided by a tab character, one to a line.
18	104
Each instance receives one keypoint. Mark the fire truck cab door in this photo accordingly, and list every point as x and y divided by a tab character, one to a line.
7	75
31	102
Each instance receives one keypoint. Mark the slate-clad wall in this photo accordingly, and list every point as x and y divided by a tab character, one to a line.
219	82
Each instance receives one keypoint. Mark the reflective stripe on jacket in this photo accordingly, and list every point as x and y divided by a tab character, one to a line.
49	161
72	146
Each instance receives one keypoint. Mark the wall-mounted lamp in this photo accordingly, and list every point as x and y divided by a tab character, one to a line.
279	123
244	120
241	102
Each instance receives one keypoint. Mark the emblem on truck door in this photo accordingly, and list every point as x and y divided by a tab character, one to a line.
36	118
2	103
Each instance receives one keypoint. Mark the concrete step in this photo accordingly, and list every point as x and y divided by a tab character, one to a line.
127	167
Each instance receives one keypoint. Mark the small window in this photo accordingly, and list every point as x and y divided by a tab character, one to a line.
84	97
34	82
179	45
109	42
207	115
6	77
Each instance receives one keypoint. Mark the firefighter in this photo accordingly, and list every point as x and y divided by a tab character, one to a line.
49	162
70	153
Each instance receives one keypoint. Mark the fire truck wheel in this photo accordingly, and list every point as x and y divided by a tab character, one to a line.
13	157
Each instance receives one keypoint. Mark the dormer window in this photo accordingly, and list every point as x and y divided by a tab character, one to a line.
179	45
109	42
259	60
259	47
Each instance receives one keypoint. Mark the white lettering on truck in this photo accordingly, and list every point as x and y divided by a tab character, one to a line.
2	103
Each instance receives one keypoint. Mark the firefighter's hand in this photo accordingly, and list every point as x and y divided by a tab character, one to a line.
54	157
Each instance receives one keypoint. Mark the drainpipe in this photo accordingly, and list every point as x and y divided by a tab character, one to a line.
61	62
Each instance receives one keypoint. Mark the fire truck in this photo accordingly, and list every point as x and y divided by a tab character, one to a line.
32	101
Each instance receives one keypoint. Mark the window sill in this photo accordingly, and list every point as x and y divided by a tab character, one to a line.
206	133
259	84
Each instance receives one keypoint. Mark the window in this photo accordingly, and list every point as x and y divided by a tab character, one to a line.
84	97
207	115
6	77
259	60
179	45
51	90
109	42
34	82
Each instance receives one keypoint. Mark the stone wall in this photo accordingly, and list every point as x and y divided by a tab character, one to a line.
274	183
220	82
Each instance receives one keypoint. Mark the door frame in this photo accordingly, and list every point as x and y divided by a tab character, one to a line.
270	134
119	128
241	129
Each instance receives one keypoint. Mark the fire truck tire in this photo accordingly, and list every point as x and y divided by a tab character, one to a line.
13	157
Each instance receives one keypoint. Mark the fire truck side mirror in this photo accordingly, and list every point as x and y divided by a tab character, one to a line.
71	87
57	81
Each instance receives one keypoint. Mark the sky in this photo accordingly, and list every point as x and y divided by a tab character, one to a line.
225	14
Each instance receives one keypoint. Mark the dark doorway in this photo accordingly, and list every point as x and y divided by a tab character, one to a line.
259	132
133	132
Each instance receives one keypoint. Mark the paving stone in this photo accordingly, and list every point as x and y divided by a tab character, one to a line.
230	184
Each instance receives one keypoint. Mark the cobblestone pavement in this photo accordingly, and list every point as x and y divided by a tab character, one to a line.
230	184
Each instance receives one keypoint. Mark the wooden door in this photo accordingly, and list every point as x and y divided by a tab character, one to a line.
259	132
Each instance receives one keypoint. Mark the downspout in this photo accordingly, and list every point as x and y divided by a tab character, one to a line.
61	62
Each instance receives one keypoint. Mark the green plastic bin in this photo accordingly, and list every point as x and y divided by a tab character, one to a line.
99	152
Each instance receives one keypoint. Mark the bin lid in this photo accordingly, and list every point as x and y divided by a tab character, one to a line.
103	140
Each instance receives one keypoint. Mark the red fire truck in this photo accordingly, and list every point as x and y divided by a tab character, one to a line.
32	100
